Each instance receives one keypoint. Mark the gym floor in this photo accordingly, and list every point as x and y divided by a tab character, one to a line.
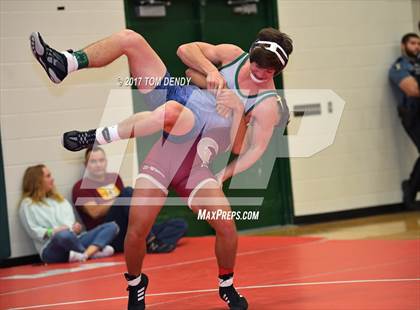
397	226
365	263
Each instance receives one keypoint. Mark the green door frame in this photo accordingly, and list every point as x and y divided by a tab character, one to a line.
4	221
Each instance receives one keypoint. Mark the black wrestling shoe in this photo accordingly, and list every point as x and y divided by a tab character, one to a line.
233	299
78	140
137	294
53	62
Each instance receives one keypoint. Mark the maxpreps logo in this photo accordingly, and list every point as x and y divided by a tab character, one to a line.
207	215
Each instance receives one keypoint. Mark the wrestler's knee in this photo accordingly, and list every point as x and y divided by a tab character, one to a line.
134	235
137	232
225	228
131	39
173	110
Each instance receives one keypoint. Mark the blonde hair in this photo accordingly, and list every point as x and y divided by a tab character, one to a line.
33	185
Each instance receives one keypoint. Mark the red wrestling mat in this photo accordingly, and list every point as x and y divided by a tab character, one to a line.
272	272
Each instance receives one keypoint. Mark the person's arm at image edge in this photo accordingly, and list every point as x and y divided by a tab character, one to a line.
404	81
410	87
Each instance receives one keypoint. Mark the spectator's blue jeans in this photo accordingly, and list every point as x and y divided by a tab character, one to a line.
64	241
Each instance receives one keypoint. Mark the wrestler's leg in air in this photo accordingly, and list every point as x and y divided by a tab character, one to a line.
142	59
172	117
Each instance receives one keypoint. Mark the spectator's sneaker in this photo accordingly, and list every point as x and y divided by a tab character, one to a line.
233	299
137	294
53	62
105	252
154	245
78	140
77	257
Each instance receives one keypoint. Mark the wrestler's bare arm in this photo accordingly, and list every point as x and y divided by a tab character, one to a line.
260	139
237	123
192	54
235	107
205	58
240	141
197	78
264	121
243	137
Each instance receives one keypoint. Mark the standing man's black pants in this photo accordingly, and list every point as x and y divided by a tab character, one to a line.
410	118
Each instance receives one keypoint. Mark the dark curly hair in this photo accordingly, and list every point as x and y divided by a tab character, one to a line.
265	58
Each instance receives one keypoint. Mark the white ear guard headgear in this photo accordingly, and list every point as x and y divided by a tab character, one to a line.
274	48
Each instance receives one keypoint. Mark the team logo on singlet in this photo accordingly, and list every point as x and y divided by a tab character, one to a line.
205	149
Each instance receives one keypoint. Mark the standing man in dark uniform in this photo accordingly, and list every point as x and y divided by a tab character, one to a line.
405	79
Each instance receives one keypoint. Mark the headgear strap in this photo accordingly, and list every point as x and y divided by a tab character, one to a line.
274	48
